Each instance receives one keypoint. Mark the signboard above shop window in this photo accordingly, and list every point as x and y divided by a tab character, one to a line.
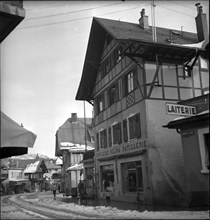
183	110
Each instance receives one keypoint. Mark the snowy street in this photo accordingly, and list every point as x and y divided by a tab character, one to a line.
43	206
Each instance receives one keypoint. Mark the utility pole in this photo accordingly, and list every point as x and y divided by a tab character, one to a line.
85	128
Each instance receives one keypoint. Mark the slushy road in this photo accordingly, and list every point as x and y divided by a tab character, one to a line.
28	206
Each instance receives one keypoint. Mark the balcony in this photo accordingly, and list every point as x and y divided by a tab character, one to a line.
11	14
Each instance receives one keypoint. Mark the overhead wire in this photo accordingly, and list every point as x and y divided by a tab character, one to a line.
174	10
71	12
83	18
71	20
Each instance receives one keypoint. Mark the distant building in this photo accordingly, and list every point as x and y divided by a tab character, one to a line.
130	72
73	138
18	181
34	173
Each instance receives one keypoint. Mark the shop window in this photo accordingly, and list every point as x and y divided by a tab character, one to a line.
117	137
107	174
132	177
203	135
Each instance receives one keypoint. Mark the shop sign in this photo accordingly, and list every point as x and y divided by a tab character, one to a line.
122	149
175	109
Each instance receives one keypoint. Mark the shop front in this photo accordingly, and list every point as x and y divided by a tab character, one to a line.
122	173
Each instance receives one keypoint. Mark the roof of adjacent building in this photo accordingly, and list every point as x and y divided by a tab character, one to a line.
125	32
200	119
73	132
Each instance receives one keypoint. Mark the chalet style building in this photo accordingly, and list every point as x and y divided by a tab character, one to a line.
131	71
73	139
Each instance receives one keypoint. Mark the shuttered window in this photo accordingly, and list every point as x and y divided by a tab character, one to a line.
134	126
125	131
117	137
110	136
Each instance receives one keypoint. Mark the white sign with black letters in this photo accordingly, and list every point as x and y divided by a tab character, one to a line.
185	110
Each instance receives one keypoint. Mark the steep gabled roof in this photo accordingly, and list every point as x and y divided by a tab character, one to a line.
73	132
125	32
37	167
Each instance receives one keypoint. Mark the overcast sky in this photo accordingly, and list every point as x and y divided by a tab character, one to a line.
42	59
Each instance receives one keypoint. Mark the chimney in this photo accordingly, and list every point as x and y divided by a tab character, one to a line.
201	23
143	20
74	117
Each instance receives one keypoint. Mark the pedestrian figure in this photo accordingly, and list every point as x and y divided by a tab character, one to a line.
81	189
54	188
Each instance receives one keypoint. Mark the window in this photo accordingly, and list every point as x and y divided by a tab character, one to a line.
129	82
107	65
100	104
113	94
107	174
125	130
110	136
132	127
132	177
117	54
97	141
203	63
117	138
203	135
103	139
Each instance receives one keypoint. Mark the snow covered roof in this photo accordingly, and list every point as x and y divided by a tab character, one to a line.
78	166
199	45
74	147
178	122
58	161
32	168
182	117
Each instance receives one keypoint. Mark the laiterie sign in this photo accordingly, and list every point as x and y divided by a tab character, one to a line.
122	149
185	110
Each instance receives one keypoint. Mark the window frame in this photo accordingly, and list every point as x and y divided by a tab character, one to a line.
202	146
113	93
132	125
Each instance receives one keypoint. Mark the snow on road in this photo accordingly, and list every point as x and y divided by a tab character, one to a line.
42	205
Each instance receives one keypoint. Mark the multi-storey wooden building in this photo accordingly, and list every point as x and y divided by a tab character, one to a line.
73	138
130	72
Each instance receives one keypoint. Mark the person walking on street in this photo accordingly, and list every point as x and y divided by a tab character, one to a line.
81	189
54	188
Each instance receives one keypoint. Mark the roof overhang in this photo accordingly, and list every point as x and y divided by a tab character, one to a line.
149	51
183	122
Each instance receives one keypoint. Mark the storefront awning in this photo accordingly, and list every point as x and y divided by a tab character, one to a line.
15	140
